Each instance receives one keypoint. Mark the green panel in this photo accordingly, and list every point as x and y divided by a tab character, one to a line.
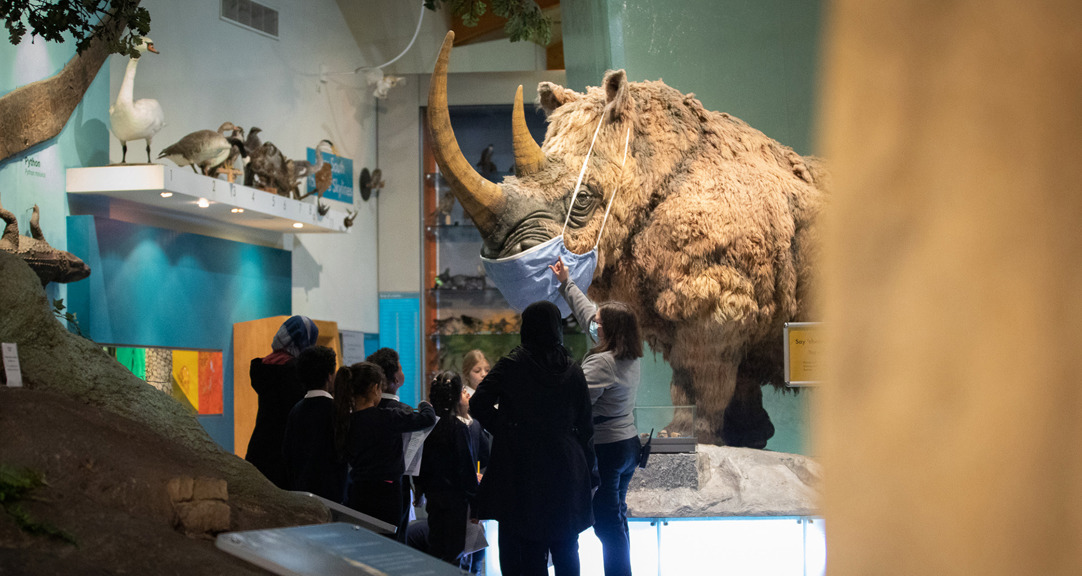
134	359
788	410
755	60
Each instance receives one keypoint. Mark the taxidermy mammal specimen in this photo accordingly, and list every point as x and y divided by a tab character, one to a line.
139	119
710	238
50	264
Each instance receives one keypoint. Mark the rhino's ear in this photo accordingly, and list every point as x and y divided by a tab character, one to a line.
552	96
618	103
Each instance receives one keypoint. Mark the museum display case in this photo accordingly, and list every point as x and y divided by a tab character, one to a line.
463	310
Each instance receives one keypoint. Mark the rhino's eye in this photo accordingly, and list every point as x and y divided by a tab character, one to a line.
585	203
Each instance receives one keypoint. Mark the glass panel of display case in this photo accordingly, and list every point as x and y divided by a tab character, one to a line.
815	547
731	546
676	547
673	427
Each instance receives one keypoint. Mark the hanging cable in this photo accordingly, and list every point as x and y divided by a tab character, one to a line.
416	32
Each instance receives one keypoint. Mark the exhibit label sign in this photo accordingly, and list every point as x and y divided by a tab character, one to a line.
803	353
342	177
14	374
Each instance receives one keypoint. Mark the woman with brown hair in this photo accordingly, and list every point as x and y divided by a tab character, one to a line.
612	373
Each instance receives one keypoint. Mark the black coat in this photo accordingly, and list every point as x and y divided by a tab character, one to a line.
539	478
279	390
448	465
312	462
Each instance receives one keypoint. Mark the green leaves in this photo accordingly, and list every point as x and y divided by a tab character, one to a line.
16	484
58	311
84	20
525	21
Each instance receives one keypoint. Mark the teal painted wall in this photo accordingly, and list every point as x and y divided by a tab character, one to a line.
38	175
155	287
755	59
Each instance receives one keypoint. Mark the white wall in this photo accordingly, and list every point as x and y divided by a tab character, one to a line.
210	71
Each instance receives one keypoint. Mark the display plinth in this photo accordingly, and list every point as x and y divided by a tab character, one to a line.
229	203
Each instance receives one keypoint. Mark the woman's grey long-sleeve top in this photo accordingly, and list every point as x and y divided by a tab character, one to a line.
613	383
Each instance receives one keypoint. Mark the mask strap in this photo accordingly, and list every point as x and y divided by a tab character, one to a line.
582	173
627	140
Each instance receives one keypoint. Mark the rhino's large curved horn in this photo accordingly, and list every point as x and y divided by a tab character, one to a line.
481	199
528	155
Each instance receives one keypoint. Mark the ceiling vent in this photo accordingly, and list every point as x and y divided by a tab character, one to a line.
251	15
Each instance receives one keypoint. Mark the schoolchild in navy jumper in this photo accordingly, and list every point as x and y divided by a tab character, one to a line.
312	463
449	470
374	444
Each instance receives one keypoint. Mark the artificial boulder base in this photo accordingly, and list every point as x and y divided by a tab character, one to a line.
109	447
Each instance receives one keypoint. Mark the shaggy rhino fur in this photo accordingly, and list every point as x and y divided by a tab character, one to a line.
710	239
50	264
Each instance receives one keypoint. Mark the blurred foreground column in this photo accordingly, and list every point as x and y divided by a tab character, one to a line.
951	427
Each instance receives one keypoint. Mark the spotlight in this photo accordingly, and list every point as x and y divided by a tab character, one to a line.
298	225
167	194
203	203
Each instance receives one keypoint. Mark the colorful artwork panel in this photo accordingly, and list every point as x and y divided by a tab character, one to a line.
193	377
210	382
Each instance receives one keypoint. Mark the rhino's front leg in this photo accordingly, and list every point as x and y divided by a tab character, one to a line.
746	423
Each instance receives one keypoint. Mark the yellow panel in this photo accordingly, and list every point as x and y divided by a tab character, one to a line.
186	374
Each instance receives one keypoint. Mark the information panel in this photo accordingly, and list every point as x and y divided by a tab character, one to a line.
803	358
330	550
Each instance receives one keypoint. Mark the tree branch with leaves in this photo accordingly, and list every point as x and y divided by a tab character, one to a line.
525	20
84	20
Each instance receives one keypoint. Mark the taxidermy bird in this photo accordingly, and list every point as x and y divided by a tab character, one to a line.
253	142
351	215
139	119
202	148
304	169
238	151
267	169
486	165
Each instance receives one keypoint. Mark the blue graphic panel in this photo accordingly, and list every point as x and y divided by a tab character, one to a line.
400	329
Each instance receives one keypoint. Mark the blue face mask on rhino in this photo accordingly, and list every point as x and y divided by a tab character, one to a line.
525	278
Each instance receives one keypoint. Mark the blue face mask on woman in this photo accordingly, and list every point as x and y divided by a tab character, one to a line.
593	331
525	278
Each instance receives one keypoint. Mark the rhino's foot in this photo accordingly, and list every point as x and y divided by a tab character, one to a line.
746	423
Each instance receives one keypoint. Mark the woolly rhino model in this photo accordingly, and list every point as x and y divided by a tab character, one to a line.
710	238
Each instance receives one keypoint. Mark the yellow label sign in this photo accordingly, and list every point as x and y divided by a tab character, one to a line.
803	358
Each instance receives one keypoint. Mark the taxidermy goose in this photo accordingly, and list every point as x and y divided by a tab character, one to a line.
238	151
135	120
203	148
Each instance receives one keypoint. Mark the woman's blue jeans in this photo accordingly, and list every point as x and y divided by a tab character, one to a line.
616	462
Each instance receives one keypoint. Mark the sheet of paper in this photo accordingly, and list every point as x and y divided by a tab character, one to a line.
414	443
10	353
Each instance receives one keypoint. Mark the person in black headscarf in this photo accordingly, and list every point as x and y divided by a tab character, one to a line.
274	378
536	405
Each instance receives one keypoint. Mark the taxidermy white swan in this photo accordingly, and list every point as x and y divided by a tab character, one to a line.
135	120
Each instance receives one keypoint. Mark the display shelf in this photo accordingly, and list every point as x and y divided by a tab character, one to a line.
227	203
